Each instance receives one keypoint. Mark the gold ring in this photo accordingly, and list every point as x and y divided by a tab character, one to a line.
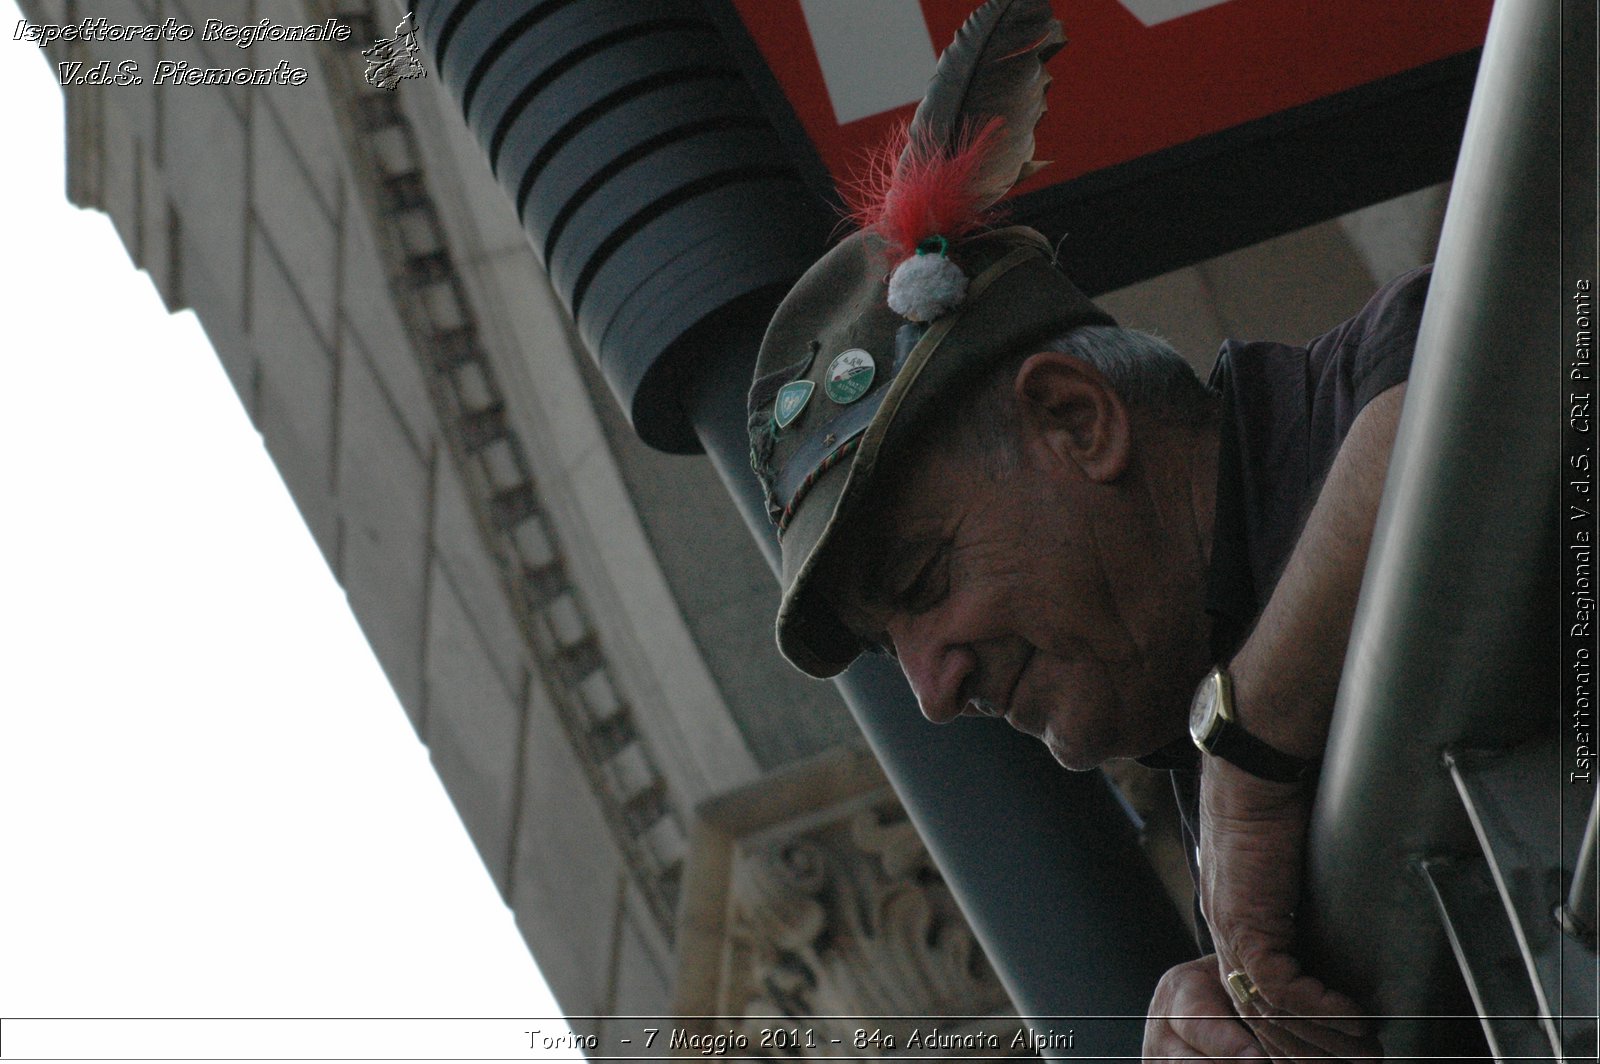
1242	987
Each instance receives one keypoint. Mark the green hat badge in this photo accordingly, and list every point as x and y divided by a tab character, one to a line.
792	398
850	375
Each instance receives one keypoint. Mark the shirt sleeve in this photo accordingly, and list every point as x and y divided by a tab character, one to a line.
1370	353
1385	359
1286	411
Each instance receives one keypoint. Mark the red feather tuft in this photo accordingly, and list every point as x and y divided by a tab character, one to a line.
928	192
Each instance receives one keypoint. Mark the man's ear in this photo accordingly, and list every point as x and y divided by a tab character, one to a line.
1067	407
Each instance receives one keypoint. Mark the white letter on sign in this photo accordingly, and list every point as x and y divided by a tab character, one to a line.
874	56
1155	12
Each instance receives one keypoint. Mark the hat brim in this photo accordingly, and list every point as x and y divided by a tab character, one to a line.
1034	303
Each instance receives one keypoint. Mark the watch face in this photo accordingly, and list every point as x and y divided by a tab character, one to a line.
1203	711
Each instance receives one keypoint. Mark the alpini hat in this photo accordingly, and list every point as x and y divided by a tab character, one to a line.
907	308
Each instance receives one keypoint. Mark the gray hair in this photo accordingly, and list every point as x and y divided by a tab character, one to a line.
1141	368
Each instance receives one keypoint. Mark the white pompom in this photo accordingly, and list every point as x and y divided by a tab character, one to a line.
925	286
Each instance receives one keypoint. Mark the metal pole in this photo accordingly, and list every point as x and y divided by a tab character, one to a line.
1455	639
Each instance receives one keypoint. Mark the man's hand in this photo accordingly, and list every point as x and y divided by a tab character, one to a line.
1192	1018
1252	833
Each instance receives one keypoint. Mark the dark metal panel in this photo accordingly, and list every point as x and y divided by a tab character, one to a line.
1246	185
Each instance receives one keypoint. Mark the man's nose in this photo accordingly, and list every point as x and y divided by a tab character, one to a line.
935	667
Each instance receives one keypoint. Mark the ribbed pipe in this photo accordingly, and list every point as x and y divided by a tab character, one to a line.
643	172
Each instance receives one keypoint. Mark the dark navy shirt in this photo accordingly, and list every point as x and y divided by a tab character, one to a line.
1285	412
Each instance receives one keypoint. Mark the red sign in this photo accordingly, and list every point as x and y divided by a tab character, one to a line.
1136	77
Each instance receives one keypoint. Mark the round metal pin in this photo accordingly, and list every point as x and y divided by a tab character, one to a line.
849	376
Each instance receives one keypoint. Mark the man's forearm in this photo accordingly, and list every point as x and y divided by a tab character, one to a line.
1287	673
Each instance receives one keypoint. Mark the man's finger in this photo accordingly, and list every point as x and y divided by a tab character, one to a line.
1190	1018
1307	997
1300	1018
1204	1038
1293	1041
1300	1038
1278	988
1214	1036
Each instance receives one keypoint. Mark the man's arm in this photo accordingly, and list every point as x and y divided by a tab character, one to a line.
1285	680
1286	675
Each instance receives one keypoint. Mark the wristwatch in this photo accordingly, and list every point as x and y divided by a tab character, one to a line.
1216	731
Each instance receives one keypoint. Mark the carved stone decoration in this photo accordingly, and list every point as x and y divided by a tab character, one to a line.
811	906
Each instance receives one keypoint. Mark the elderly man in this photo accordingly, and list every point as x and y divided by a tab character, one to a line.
1049	519
1069	532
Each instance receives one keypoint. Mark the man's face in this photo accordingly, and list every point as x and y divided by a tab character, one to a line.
1044	595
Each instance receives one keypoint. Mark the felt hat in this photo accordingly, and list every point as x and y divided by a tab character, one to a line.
842	379
906	310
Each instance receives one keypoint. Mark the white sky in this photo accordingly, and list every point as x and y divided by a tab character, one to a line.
211	803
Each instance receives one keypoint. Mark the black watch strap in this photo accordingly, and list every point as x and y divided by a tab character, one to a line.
1238	747
1215	729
